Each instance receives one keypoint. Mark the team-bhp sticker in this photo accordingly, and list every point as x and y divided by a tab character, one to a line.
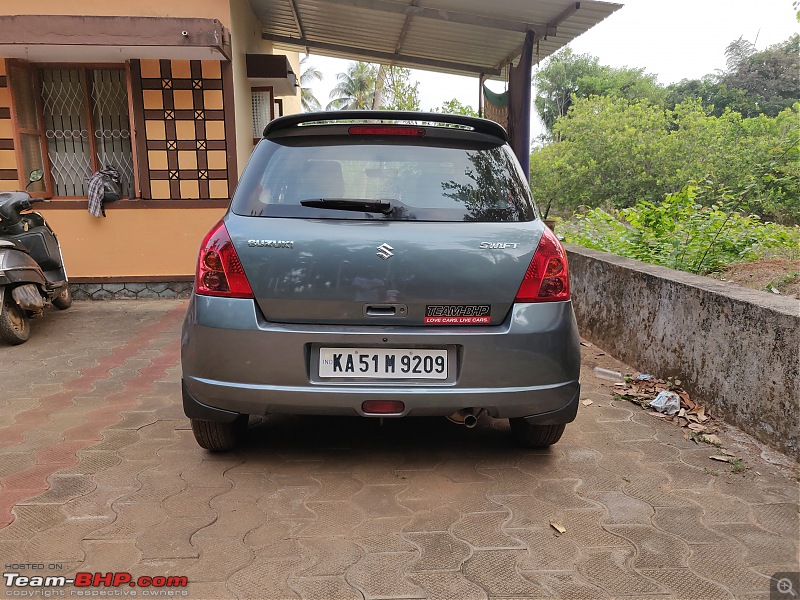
458	314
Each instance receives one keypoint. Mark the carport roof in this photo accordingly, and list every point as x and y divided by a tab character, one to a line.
466	37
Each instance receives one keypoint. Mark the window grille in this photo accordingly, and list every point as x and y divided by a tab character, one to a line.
86	113
262	111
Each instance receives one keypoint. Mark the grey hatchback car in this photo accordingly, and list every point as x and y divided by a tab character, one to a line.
382	269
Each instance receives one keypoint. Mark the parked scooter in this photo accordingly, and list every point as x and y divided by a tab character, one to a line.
32	274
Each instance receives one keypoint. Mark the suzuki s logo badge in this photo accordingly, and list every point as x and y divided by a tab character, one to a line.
385	251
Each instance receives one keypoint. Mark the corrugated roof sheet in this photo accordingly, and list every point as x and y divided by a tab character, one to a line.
453	36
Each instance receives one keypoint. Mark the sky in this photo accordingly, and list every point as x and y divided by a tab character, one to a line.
673	39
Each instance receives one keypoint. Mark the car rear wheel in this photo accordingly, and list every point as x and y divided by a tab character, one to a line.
63	300
535	436
219	437
15	327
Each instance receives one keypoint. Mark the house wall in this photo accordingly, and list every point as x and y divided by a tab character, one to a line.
189	147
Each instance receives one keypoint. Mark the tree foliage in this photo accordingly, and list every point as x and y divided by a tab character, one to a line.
753	83
568	76
454	107
368	86
355	88
615	153
308	75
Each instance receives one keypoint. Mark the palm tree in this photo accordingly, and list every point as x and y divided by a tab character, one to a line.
356	88
308	74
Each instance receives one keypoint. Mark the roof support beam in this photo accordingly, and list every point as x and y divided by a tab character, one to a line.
550	29
298	23
402	37
441	15
385	57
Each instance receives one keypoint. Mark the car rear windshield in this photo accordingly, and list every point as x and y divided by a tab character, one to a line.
407	180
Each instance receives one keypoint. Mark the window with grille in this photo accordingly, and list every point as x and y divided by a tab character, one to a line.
79	116
262	110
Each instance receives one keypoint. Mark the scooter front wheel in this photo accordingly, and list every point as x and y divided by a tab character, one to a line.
15	327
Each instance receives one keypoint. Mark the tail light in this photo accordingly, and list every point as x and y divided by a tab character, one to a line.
547	277
219	271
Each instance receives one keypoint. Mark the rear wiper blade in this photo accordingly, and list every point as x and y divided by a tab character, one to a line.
374	206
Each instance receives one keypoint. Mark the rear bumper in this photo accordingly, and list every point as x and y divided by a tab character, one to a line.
235	362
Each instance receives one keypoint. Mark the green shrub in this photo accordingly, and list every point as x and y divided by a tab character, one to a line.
682	233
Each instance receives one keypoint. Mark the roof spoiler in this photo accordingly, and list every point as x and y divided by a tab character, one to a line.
479	125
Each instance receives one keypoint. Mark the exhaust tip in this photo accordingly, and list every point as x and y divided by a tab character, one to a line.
470	421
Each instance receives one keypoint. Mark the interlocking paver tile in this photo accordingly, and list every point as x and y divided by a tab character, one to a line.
527	511
547	550
622	508
335	486
509	481
686	523
324	588
654	549
718	508
61	543
264	579
384	575
495	571
131	520
447	586
568	585
763	547
63	488
437	519
484	531
332	518
100	470
685	585
725	565
219	559
283	503
274	538
610	569
109	555
234	519
439	551
382	535
779	518
330	556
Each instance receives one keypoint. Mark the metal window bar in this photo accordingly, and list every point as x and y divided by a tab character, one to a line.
262	111
68	131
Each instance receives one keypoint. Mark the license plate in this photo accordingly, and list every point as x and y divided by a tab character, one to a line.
379	363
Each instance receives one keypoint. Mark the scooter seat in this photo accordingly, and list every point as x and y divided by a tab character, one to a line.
14	244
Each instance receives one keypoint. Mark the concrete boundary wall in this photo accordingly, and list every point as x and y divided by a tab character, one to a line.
736	350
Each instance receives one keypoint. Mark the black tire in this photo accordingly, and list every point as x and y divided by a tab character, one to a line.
15	327
63	300
535	436
219	437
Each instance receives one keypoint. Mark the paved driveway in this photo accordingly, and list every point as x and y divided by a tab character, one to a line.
100	473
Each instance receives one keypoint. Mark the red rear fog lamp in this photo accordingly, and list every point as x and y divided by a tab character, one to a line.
383	407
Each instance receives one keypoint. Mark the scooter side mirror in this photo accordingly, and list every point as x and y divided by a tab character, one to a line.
36	175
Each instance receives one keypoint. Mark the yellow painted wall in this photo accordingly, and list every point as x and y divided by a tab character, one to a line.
201	9
131	242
